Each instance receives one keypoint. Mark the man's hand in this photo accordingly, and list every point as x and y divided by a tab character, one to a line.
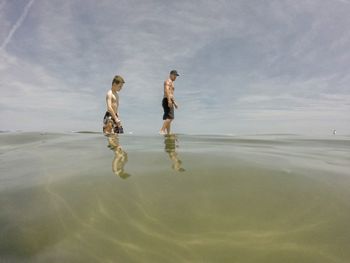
170	103
175	104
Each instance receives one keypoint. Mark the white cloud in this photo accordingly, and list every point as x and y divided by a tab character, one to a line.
31	98
2	5
243	65
16	25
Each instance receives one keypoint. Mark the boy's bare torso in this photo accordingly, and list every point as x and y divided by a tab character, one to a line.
114	100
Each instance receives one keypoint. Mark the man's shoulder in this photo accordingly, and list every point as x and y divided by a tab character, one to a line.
168	81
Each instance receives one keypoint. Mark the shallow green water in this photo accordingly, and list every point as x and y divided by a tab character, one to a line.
87	198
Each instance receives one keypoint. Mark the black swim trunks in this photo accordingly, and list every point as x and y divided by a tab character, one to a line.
108	121
168	111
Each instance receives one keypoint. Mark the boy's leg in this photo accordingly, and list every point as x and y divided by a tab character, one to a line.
108	128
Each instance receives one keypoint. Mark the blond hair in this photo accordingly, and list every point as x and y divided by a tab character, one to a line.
118	79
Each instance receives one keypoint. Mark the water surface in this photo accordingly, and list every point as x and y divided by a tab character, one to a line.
89	198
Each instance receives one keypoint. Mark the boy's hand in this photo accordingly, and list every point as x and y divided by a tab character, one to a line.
117	122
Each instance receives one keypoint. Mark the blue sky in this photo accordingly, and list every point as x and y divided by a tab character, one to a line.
246	66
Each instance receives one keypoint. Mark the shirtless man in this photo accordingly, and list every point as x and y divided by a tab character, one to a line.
111	120
168	102
170	141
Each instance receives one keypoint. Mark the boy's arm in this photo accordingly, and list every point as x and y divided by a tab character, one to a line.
110	108
117	113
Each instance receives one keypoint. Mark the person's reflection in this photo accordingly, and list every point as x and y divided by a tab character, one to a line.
120	156
170	147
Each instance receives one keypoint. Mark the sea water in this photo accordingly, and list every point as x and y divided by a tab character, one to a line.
178	198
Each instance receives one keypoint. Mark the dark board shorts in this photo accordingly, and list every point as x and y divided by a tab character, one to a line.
168	111
107	119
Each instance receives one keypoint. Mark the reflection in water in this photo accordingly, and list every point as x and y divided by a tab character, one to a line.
170	141
120	156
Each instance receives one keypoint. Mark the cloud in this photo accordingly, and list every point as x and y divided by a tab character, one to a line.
2	5
16	25
243	65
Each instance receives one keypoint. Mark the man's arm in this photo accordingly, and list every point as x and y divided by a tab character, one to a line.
110	108
175	104
168	94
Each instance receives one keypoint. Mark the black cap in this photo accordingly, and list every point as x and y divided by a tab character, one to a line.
174	72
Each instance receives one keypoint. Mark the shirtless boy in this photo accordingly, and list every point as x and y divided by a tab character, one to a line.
111	120
168	102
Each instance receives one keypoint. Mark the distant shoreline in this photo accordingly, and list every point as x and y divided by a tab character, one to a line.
189	134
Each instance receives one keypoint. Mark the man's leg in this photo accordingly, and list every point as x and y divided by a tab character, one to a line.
164	126
163	129
168	125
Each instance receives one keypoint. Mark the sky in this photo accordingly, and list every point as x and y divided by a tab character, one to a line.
246	67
